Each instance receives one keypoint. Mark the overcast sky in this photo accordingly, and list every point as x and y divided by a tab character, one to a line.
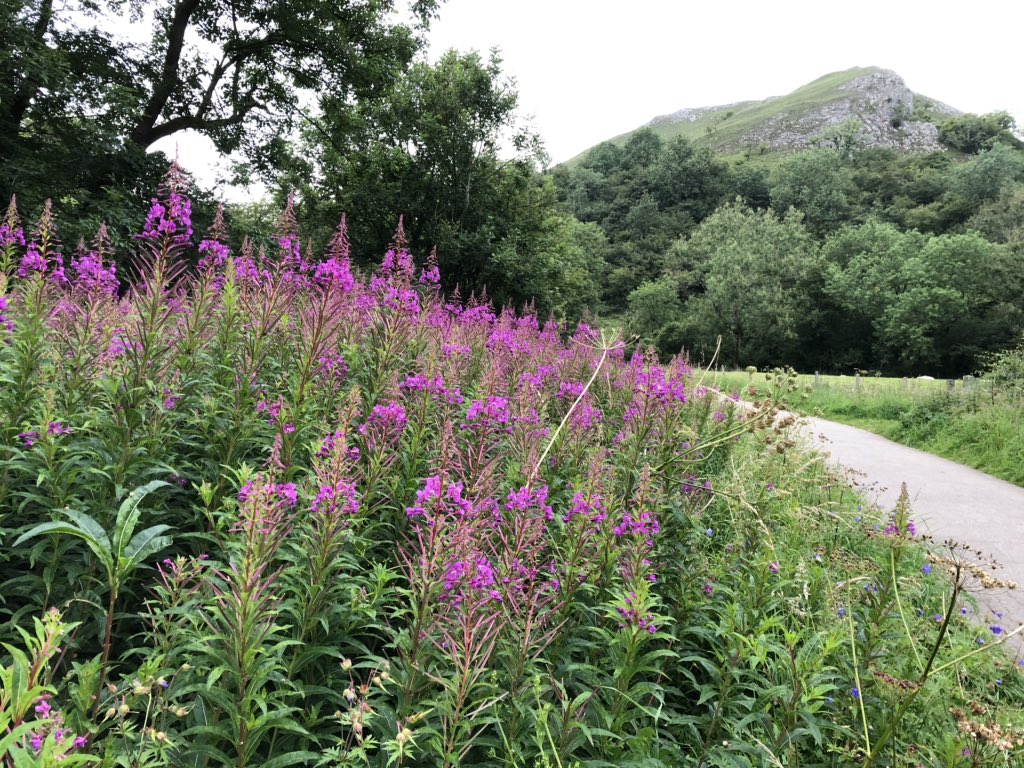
587	70
591	69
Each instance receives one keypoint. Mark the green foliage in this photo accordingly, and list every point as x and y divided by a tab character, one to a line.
652	306
431	151
1005	372
845	139
983	177
818	184
81	100
32	731
866	277
643	196
1001	219
971	133
123	550
921	303
752	269
876	299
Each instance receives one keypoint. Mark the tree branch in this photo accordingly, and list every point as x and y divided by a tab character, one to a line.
199	123
144	133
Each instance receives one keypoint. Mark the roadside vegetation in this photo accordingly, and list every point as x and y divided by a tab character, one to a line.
979	423
275	511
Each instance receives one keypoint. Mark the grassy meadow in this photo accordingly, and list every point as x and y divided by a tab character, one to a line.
981	425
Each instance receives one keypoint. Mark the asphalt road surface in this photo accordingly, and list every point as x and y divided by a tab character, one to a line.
949	501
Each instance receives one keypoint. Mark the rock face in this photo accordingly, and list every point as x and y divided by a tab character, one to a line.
694	114
873	108
881	102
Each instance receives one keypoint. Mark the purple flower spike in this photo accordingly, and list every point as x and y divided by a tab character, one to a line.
171	217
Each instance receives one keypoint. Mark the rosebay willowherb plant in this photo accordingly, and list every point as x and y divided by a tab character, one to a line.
412	530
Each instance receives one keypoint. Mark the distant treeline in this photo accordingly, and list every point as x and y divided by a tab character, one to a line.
836	257
830	258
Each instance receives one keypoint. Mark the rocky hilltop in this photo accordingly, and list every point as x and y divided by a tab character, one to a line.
872	103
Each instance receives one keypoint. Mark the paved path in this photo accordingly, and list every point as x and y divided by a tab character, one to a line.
949	501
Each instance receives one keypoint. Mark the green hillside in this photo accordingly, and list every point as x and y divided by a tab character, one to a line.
727	129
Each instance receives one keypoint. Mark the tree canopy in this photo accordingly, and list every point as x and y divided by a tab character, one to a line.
445	148
81	98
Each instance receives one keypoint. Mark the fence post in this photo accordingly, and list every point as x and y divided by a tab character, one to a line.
817	379
906	384
968	385
951	386
856	383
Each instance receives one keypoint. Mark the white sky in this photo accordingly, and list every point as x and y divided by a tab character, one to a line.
587	70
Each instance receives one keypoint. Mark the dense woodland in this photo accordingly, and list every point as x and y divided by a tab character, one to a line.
862	258
836	258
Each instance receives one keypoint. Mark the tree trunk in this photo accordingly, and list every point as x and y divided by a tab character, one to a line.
11	118
144	133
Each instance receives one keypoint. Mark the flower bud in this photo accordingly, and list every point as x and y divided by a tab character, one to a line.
110	713
123	710
346	664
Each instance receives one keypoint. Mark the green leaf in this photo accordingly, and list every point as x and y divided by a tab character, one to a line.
101	546
144	544
8	742
291	758
52	527
128	514
91	527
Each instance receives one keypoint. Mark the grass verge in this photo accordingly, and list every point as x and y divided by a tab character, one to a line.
973	428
